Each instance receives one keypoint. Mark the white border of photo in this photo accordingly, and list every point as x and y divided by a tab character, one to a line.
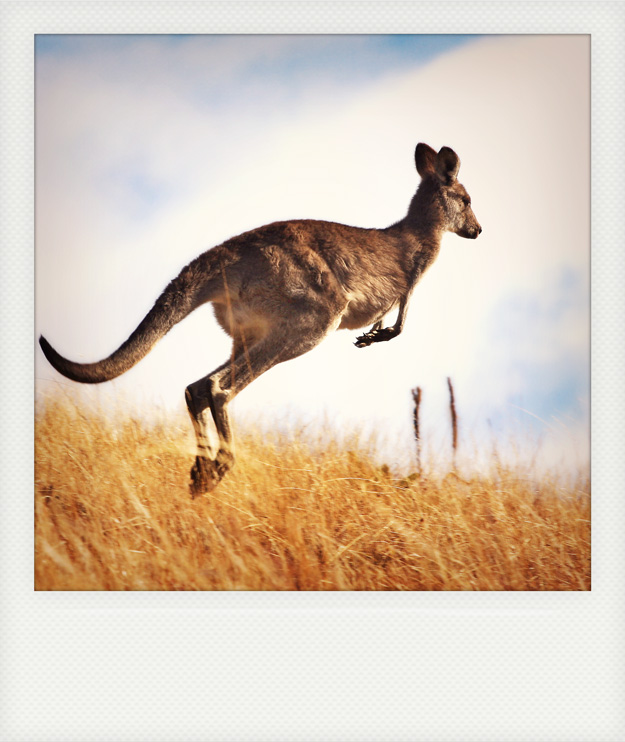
313	666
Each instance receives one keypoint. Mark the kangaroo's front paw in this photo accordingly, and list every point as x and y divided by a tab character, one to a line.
376	336
384	333
362	341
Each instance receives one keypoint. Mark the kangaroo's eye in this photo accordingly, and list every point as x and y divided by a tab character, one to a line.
466	201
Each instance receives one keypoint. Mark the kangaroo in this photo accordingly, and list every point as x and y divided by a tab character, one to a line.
280	289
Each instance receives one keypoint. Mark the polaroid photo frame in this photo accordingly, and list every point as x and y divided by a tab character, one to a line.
282	665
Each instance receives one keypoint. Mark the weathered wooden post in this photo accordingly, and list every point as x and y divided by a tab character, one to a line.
454	419
416	395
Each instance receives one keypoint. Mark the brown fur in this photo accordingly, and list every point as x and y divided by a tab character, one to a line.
280	289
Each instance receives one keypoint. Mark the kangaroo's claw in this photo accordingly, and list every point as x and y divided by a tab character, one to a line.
364	340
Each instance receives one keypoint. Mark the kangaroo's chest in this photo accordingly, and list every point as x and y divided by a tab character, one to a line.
369	304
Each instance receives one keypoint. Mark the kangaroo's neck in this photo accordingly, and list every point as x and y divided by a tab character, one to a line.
425	215
421	231
425	219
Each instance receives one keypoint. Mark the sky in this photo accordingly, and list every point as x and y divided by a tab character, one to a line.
152	149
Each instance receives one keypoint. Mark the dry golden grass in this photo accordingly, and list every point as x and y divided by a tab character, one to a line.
113	512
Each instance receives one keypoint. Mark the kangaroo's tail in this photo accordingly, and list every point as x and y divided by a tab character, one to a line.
185	293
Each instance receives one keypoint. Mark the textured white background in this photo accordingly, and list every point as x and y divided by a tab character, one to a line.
355	666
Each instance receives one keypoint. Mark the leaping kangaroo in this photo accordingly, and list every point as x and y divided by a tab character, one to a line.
280	289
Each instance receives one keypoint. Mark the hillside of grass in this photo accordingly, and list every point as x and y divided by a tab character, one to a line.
113	512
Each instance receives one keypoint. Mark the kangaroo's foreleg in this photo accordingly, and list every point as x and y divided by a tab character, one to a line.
378	334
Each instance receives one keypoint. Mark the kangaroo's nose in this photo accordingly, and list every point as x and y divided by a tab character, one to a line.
479	229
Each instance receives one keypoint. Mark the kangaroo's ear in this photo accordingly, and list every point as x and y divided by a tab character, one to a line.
425	158
447	165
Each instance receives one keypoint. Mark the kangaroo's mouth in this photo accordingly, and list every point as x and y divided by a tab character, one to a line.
471	234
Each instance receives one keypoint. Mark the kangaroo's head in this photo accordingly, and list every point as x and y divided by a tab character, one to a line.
439	171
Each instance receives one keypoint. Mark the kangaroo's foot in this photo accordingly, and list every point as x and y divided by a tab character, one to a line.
207	473
204	476
376	335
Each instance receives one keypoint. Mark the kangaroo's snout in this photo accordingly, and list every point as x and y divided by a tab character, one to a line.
473	231
470	231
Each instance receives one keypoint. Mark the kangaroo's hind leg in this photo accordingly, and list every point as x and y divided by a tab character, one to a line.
206	405
205	473
211	394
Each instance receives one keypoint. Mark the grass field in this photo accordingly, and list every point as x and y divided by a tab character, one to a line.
113	512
